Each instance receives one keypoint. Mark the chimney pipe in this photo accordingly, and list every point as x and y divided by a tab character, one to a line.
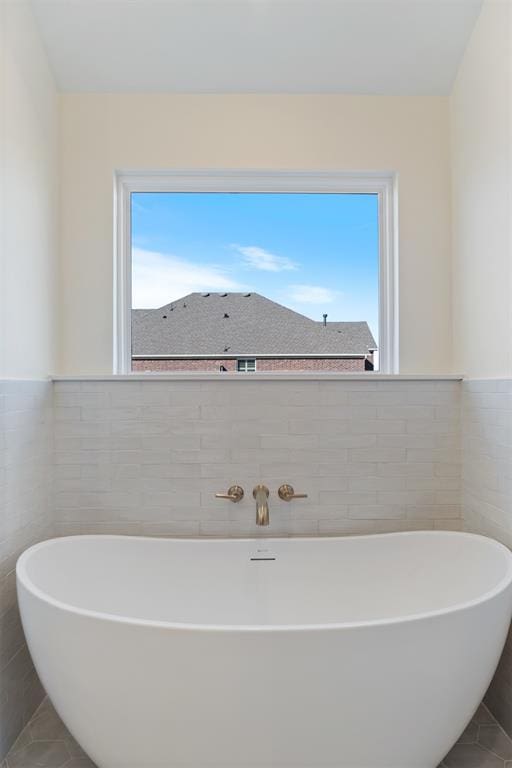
325	321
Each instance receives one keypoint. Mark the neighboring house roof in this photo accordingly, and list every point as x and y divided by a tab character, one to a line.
240	324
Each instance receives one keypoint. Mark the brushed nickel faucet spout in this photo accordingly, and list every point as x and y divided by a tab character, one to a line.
260	493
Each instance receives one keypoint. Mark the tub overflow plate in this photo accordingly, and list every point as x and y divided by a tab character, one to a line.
262	554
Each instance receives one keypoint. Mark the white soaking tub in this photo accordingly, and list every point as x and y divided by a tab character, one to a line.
366	652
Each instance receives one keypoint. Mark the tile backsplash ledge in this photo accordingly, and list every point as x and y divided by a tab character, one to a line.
262	376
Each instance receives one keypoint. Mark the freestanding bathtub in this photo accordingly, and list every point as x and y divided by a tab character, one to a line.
367	652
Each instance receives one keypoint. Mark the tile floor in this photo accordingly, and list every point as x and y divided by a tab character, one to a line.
46	743
482	745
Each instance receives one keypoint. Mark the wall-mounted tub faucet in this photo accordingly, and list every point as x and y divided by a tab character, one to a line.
260	493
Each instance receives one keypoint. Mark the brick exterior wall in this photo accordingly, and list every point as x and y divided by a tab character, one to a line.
275	364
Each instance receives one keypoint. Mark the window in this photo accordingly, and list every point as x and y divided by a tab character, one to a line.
230	272
246	366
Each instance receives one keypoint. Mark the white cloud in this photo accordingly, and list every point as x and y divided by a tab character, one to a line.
159	278
312	294
259	258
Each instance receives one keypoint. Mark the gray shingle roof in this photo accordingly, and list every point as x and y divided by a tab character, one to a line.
240	324
355	334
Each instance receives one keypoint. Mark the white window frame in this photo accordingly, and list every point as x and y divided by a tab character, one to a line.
246	360
382	184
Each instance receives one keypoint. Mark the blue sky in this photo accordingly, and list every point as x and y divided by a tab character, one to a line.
314	253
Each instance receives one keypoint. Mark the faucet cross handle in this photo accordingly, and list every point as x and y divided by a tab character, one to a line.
235	494
287	493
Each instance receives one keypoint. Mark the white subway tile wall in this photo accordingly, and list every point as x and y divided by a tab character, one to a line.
487	453
487	494
148	457
26	517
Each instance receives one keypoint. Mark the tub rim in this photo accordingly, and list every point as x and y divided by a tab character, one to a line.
24	580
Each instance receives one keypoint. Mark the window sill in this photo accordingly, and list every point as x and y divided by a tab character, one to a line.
271	376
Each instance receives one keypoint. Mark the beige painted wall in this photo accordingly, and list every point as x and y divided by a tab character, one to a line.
28	198
103	132
29	119
481	148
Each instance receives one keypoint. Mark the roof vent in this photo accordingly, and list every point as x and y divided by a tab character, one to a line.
246	295
164	317
205	295
226	349
184	304
223	295
171	309
325	320
226	314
